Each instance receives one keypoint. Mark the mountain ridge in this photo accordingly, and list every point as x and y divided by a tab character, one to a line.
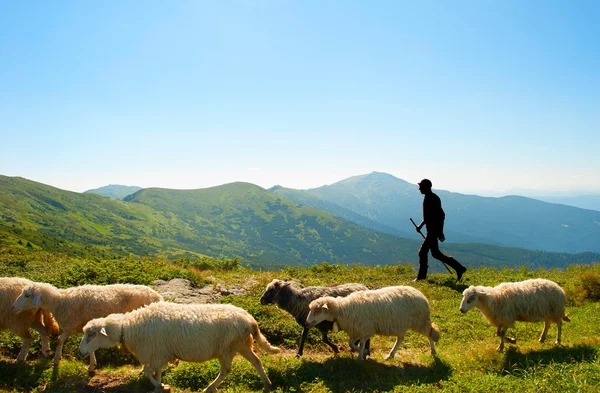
512	221
233	220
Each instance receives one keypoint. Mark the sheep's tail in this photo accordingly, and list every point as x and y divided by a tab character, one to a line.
434	333
262	340
566	318
46	319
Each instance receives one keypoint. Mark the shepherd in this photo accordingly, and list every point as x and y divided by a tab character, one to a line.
433	220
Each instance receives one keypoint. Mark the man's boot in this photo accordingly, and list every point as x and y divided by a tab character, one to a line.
460	269
422	275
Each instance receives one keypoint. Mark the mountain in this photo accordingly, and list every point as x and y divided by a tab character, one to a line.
587	201
237	219
115	191
233	220
510	221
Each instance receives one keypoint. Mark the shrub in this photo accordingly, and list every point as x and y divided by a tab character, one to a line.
209	263
590	285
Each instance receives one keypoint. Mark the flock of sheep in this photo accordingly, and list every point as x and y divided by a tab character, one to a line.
157	331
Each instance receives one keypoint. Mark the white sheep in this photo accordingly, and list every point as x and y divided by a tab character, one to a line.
388	311
295	298
20	323
165	331
74	307
526	301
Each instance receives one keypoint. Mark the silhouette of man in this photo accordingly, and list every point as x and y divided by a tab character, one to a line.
433	220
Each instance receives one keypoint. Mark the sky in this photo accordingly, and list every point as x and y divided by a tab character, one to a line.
485	97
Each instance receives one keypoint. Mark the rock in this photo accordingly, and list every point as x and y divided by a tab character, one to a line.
180	290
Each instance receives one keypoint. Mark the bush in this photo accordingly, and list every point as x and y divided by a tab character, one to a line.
590	285
209	263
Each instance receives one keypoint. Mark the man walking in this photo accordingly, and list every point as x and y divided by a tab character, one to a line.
433	220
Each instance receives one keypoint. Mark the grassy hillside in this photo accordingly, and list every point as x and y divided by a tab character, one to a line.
466	361
246	220
237	220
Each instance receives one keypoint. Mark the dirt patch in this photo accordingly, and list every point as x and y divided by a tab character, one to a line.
180	290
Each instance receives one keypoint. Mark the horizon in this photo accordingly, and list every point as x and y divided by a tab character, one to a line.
481	98
556	197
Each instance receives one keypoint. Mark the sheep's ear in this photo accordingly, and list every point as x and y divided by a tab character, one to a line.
325	306
103	332
37	299
482	294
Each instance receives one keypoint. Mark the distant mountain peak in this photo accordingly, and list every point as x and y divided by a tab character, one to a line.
116	191
374	177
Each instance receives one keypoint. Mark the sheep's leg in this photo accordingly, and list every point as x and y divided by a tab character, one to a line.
432	345
367	346
93	362
331	345
225	362
559	333
59	346
502	334
302	339
25	345
158	376
392	353
545	331
352	343
149	372
45	345
45	339
361	349
255	361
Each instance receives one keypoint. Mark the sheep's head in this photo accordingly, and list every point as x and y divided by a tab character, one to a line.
30	297
319	311
273	292
95	336
471	297
270	292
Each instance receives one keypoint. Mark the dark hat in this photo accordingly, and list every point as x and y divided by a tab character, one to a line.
425	183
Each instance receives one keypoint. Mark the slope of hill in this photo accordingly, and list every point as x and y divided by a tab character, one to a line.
233	220
58	220
510	221
115	191
246	220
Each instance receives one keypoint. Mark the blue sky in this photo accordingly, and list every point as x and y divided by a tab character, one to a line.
488	97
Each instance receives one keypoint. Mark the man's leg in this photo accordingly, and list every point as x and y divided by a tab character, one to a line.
423	251
448	260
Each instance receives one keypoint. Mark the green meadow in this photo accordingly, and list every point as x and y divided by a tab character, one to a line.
467	360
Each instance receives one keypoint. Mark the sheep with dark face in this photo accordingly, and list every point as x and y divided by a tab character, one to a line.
295	298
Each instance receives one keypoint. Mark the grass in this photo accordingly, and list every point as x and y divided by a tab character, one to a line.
467	360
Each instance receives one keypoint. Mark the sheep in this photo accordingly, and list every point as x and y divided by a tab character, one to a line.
20	323
388	311
525	301
294	298
164	331
74	307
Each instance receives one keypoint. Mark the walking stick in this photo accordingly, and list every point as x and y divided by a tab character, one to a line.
443	263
